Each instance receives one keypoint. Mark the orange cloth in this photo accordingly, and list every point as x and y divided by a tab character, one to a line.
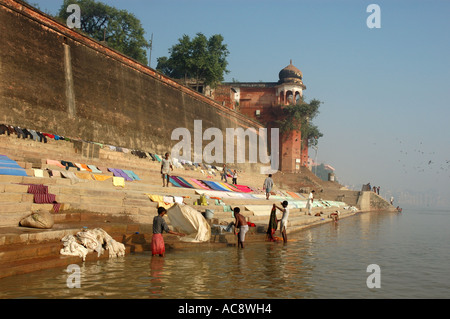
101	177
85	167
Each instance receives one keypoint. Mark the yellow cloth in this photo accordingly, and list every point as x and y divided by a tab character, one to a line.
119	181
160	200
101	177
224	186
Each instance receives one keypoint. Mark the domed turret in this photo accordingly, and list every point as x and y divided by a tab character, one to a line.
290	74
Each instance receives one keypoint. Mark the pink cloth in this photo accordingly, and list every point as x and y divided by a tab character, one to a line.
56	163
158	247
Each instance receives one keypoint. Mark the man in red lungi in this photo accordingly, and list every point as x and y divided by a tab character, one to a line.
160	225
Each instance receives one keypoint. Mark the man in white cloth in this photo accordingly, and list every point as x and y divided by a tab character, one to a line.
284	219
166	167
309	204
241	224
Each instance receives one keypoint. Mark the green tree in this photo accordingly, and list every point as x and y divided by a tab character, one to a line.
120	29
200	58
299	117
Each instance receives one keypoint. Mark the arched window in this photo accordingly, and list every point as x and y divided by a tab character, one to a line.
290	97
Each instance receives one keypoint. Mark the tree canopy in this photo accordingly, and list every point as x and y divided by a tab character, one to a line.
199	58
299	117
120	29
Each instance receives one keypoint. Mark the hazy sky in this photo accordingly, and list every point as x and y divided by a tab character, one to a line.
385	91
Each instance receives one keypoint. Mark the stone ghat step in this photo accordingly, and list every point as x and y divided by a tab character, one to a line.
12	212
144	167
70	194
25	250
108	200
296	216
38	152
133	191
44	256
27	147
297	226
40	263
145	187
99	187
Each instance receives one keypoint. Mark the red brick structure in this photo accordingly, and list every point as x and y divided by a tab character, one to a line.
263	101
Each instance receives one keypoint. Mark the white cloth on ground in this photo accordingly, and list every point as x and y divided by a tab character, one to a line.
91	240
72	247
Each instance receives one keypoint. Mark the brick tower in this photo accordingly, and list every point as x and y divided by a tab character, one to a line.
264	101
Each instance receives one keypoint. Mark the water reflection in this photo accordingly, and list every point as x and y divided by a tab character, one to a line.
328	261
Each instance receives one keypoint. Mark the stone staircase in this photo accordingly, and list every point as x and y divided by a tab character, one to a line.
126	213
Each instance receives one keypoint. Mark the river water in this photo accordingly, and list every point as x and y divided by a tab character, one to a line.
410	251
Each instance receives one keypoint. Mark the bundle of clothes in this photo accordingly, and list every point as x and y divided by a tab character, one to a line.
90	240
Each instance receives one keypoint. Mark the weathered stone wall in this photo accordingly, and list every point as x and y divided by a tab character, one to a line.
56	80
369	201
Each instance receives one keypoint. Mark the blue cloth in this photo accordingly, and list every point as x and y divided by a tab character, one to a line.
10	167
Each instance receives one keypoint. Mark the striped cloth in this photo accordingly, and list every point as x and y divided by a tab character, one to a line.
41	196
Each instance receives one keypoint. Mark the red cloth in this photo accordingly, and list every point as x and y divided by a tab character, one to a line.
42	196
158	247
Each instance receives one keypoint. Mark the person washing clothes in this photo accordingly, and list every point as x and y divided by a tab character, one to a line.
240	223
284	219
160	225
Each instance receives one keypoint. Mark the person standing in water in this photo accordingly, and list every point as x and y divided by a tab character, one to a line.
240	223
160	225
284	219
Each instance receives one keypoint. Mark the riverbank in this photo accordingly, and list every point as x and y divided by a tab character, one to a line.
125	211
25	250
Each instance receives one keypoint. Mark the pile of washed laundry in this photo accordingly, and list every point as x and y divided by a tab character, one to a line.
90	240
